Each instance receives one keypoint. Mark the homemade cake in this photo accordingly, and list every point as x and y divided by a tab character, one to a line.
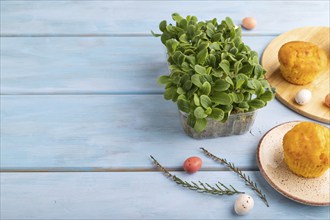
306	149
301	62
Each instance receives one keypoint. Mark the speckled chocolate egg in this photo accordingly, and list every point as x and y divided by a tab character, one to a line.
249	23
303	97
243	204
327	100
192	164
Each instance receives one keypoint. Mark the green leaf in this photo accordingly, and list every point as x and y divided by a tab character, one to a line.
256	103
208	111
183	105
216	37
206	88
229	80
217	114
183	24
205	101
199	113
240	79
191	59
191	120
214	46
221	85
202	46
163	79
162	26
191	31
180	91
187	85
236	97
201	56
237	66
209	32
257	86
246	69
209	70
196	100
217	73
258	71
244	105
171	45
200	69
200	125
169	93
178	58
213	60
165	36
225	65
176	17
229	23
221	98
183	38
186	67
233	50
155	35
195	79
266	96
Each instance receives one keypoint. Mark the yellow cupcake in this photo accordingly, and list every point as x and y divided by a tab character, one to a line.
301	62
306	149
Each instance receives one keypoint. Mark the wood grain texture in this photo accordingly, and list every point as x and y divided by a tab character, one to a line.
111	131
94	65
97	145
139	17
285	91
135	195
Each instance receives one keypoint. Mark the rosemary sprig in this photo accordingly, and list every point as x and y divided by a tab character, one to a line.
218	189
246	178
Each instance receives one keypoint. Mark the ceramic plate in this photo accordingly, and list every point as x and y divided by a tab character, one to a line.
310	191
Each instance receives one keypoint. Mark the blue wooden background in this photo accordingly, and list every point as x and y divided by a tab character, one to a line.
81	112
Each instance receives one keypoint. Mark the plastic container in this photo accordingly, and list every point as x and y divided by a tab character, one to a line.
236	124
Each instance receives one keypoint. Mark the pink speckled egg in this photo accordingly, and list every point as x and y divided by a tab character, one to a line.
192	164
249	23
327	100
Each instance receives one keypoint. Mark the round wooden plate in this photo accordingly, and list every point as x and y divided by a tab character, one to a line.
285	91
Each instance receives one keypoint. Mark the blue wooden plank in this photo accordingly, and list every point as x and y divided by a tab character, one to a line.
87	64
145	195
139	17
93	132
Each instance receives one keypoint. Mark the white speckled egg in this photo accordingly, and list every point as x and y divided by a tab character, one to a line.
243	204
303	96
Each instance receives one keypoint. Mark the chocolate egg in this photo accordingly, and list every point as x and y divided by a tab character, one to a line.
192	164
243	204
249	23
303	97
327	100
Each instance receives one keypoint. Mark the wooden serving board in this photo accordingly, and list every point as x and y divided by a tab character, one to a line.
285	91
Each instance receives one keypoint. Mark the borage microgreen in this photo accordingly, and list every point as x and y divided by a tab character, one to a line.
212	72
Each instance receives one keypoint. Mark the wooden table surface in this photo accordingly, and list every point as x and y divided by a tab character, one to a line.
81	112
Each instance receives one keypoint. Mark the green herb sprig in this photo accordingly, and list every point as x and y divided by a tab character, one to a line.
246	178
218	189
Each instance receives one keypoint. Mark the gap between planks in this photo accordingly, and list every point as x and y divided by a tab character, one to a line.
83	93
117	35
102	169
